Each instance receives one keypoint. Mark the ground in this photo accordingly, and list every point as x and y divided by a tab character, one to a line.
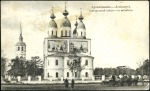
77	87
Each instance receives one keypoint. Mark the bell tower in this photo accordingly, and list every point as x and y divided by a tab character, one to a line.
21	46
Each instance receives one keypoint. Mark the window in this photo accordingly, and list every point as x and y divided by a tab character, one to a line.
67	74
47	74
81	33
18	48
66	33
56	74
56	33
52	32
67	62
56	62
75	74
61	32
22	48
86	62
69	33
86	74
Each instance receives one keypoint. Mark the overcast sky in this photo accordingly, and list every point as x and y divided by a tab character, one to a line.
117	38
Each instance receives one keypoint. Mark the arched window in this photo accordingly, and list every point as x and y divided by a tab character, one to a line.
56	74
66	33
67	62
69	33
56	33
81	33
86	74
86	63
75	74
61	32
56	62
22	48
52	32
18	48
47	74
67	74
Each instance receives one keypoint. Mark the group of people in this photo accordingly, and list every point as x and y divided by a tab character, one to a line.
67	83
125	80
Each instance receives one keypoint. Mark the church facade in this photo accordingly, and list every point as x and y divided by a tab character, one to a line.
62	53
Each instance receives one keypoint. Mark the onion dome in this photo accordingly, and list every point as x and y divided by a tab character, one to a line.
52	23
75	30
65	13
81	24
65	22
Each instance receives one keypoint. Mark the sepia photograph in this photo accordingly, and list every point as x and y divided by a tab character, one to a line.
75	45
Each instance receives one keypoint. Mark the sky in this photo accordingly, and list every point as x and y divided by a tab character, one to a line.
117	38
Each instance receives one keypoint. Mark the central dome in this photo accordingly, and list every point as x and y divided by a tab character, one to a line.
65	23
52	23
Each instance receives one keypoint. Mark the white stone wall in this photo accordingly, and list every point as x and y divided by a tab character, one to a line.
83	32
88	68
54	31
64	31
52	68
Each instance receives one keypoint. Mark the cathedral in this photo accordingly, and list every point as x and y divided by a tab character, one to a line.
62	52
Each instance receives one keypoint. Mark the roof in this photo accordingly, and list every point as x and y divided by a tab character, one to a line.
52	23
20	43
65	23
80	25
68	54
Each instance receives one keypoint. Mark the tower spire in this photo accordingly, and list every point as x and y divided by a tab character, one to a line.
80	17
20	29
20	37
76	21
65	13
52	15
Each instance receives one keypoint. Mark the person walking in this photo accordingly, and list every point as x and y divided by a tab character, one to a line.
66	83
72	83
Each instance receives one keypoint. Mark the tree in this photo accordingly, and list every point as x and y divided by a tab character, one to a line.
146	67
3	65
33	67
75	64
140	70
98	71
17	67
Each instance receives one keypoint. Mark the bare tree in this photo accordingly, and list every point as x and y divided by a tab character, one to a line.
140	66
74	64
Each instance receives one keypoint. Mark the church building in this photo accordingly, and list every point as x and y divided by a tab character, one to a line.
58	51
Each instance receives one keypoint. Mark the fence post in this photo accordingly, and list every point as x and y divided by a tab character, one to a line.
103	77
19	78
9	78
29	78
39	78
62	78
93	78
